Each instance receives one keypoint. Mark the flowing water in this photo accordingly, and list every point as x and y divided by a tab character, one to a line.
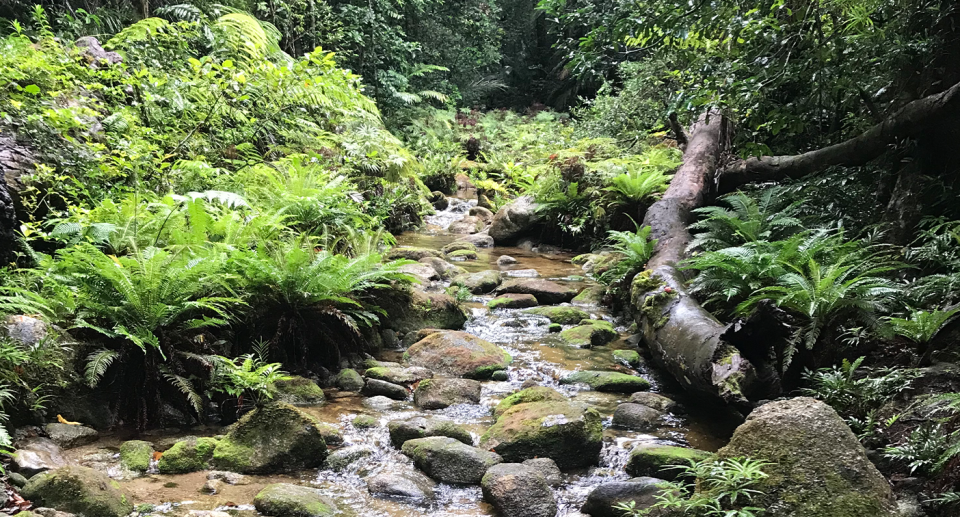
537	355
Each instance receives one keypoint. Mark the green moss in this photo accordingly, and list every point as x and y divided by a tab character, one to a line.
298	391
78	490
136	455
590	333
608	381
555	328
561	315
569	433
580	260
627	357
535	394
514	301
283	500
233	454
365	422
464	254
458	246
589	296
654	460
188	455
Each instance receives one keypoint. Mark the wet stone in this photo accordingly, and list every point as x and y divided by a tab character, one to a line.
655	401
70	436
406	484
422	427
450	461
513	301
36	455
517	490
376	387
441	393
641	491
637	417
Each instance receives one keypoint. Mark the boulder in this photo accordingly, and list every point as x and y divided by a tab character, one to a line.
522	273
484	214
515	218
654	400
422	272
298	391
457	246
561	315
331	434
457	354
547	468
16	479
627	357
637	417
517	490
444	269
545	291
589	297
35	455
513	301
212	487
817	466
480	240
461	255
506	260
344	457
398	374
78	490
374	387
349	380
412	310
534	394
95	55
275	437
187	455
405	484
411	253
467	225
642	492
365	421
441	393
479	283
423	427
656	460
136	455
230	478
25	330
590	333
569	433
614	382
450	461
285	500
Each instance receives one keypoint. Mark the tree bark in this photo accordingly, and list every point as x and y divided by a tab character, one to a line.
685	339
908	121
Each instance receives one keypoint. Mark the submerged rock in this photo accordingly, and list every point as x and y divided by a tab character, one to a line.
441	393
374	387
298	391
569	433
285	500
457	354
450	461
655	460
406	484
342	458
615	382
514	219
637	417
641	491
422	427
590	333
561	315
187	455
35	455
276	437
513	301
479	283
546	292
817	466
136	455
534	394
517	490
79	490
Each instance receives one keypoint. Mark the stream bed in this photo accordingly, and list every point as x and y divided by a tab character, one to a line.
537	355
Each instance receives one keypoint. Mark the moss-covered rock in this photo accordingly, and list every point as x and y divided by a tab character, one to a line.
517	490
590	333
422	427
817	466
457	354
654	401
364	422
444	269
535	394
398	374
615	382
545	291
412	253
589	297
513	301
298	391
275	437
449	461
135	455
627	357
346	456
555	328
637	417
463	255
285	500
569	433
458	246
331	434
376	387
654	460
188	455
441	393
78	490
561	315
479	283
349	380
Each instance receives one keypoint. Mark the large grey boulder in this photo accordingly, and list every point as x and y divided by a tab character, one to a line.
70	436
515	218
78	490
405	484
457	354
35	455
450	461
637	417
545	291
641	491
817	466
479	283
569	433
421	427
517	490
441	393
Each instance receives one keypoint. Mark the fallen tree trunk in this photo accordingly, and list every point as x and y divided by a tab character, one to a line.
908	121
685	339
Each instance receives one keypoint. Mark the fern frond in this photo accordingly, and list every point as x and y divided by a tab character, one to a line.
97	364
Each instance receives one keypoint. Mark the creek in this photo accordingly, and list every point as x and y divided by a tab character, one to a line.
537	355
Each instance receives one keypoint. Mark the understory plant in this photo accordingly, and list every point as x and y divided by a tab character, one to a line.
634	248
248	377
709	488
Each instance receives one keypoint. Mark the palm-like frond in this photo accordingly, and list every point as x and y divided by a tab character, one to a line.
746	220
921	326
97	364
